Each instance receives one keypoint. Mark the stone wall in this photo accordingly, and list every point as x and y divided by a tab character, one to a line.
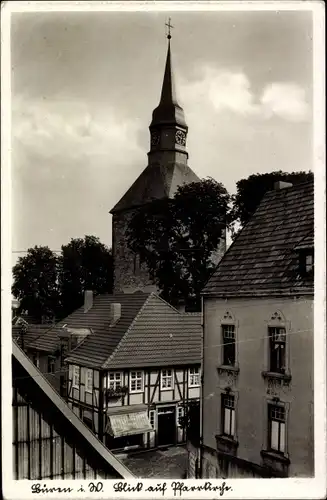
192	455
129	275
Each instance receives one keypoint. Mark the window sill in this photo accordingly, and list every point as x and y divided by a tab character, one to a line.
226	444
228	368
278	376
166	388
274	456
194	386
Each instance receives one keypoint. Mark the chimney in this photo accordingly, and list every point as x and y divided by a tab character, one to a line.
282	185
88	300
115	312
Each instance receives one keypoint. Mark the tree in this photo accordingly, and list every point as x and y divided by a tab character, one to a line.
85	264
35	282
177	238
250	192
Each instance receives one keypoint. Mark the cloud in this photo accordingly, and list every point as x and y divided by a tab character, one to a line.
285	100
230	91
70	129
78	159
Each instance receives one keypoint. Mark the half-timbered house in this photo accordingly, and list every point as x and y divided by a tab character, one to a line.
131	378
49	440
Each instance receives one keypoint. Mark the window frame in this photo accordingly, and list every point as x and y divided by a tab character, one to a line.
232	409
74	384
224	329
152	416
273	361
118	381
87	387
36	359
167	377
131	379
281	450
179	414
52	361
190	375
309	268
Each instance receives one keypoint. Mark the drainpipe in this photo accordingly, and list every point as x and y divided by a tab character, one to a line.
101	434
200	451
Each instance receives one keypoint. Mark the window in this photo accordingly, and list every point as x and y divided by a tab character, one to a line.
277	348
89	380
276	428
228	345
194	377
51	364
136	381
180	414
76	377
36	359
166	379
114	380
152	418
309	263
228	415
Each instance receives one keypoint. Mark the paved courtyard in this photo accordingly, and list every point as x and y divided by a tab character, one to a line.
170	463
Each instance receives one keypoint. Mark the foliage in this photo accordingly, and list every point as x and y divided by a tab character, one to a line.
35	282
50	285
250	192
191	421
85	264
177	238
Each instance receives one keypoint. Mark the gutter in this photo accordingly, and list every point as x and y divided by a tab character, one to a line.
200	451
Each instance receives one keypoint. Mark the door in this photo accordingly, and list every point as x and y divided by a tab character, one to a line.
166	426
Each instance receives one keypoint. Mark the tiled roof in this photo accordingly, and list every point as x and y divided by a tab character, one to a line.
98	320
39	386
263	260
32	333
158	335
156	182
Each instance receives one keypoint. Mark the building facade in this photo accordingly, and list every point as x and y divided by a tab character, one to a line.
49	441
257	400
133	377
125	360
134	408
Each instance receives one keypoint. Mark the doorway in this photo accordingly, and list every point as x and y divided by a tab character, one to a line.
166	426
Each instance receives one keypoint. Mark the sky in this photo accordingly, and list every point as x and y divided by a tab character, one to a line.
84	85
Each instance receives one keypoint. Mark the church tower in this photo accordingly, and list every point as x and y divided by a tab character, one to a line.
166	170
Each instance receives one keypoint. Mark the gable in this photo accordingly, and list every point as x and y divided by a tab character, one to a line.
159	336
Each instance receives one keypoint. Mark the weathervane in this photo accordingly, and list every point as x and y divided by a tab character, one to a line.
169	26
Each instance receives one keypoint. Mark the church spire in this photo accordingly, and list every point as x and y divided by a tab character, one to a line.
168	111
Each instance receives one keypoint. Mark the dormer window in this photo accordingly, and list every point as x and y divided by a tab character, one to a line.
309	263
306	262
305	252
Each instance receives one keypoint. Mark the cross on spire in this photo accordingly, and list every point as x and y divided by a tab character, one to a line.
169	26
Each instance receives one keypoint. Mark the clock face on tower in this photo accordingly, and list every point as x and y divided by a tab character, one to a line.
155	138
180	137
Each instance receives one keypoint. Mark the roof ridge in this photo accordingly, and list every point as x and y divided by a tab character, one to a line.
286	188
127	332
